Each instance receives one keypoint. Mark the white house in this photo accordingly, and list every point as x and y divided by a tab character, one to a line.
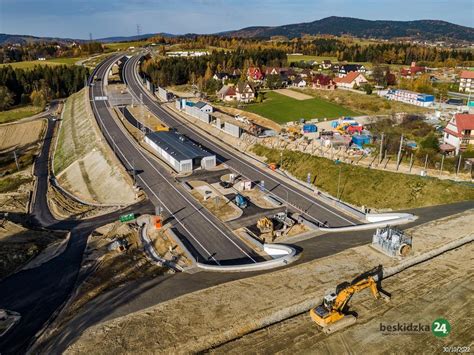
299	83
351	79
459	132
244	92
466	81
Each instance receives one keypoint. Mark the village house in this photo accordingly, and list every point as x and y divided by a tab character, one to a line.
254	74
350	80
299	83
412	71
244	92
326	64
459	132
323	82
466	81
347	68
221	77
227	93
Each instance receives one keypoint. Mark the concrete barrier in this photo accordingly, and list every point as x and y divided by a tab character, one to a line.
282	255
391	219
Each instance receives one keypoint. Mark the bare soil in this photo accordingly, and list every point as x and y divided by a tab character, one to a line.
18	135
207	318
293	94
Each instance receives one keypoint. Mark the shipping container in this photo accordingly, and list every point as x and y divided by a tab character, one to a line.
310	128
360	140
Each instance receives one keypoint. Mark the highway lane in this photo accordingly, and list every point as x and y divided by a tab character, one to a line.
314	208
209	238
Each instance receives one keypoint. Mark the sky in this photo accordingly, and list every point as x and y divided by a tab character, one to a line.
104	18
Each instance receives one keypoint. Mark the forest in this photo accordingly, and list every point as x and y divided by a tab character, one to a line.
39	85
199	70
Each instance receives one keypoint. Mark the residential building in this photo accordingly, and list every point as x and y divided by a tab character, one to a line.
326	64
227	93
244	92
323	82
410	97
412	71
299	83
350	80
466	81
459	132
347	68
221	76
254	74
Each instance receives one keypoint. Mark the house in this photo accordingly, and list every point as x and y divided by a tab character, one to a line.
306	73
221	76
410	97
227	93
204	107
244	92
459	132
323	82
326	64
299	83
347	68
351	79
466	81
412	71
273	71
254	74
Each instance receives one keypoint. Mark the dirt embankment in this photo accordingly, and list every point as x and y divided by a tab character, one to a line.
205	319
84	163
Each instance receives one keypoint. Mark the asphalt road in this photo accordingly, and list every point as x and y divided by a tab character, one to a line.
208	238
314	208
38	293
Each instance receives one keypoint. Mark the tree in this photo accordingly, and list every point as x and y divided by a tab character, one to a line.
368	89
38	98
273	81
430	142
6	98
378	74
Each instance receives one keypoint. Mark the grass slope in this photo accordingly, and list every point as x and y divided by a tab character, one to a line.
18	113
373	188
281	109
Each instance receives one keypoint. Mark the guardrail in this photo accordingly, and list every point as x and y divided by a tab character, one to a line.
389	219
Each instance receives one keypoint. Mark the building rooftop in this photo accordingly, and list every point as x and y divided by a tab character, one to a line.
177	145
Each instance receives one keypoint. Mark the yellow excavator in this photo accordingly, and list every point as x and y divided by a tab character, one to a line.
332	315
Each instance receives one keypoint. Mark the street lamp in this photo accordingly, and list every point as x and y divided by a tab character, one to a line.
281	160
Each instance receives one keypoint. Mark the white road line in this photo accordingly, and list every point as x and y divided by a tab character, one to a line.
144	182
281	183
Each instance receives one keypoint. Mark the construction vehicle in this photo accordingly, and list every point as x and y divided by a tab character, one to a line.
265	225
161	128
332	314
294	132
241	201
283	218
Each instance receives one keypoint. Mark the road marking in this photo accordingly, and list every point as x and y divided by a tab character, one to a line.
145	183
281	183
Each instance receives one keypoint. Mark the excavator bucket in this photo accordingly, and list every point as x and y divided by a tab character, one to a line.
345	322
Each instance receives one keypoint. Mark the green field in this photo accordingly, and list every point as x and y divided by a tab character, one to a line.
51	62
297	58
19	113
369	187
281	109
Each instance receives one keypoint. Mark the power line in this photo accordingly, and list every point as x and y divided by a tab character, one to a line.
139	29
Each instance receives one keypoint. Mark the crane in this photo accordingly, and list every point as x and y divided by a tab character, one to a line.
330	314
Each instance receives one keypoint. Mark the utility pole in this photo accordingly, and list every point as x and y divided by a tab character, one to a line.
426	162
90	36
281	160
441	167
459	164
139	29
381	149
411	161
286	207
399	152
339	182
16	160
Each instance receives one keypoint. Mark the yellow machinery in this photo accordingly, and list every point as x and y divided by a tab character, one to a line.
342	127
265	225
330	314
161	128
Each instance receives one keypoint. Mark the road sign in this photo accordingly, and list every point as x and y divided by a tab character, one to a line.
262	185
127	217
100	98
308	178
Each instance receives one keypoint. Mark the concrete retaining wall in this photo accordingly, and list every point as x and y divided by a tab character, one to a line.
274	250
390	219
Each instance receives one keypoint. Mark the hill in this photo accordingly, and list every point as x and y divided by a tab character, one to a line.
337	26
27	39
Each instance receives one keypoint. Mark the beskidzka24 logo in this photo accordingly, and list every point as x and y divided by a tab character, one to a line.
440	328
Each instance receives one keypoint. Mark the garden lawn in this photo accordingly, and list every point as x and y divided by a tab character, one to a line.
281	109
